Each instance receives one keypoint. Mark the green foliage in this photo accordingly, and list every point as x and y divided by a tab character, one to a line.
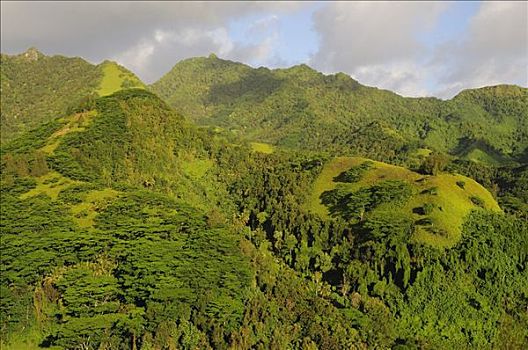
384	187
38	88
434	164
116	78
477	201
301	108
376	265
125	227
355	204
353	174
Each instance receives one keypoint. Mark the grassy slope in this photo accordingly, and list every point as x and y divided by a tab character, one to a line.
116	78
74	123
452	203
85	212
41	88
37	88
260	147
52	183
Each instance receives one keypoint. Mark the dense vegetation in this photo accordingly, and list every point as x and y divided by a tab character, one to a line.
394	289
36	88
300	107
125	226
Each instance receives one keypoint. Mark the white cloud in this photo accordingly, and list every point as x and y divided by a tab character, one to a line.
375	42
165	48
406	78
355	34
263	25
135	33
378	44
136	57
494	51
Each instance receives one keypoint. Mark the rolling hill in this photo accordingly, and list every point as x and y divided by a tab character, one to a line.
437	205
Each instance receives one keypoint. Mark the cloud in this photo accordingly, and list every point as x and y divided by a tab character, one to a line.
382	44
357	34
494	50
405	78
135	33
156	55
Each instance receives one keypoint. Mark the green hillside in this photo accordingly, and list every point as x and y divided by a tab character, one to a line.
249	212
36	88
437	204
117	226
413	253
299	107
115	78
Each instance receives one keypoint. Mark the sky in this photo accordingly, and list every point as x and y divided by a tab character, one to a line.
413	48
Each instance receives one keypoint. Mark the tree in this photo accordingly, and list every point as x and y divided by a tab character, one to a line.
435	163
39	166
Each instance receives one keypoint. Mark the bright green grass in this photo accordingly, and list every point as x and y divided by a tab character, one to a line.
451	203
85	212
325	182
422	152
29	339
262	147
392	132
479	156
50	184
196	168
50	147
113	78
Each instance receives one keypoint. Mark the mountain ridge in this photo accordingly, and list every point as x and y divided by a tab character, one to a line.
326	109
286	104
37	88
306	66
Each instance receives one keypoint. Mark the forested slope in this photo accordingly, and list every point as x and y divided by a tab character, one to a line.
120	230
301	108
126	226
36	88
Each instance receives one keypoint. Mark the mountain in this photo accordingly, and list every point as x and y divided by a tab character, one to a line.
36	88
301	108
121	217
127	223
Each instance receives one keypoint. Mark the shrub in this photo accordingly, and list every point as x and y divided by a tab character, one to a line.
477	201
353	174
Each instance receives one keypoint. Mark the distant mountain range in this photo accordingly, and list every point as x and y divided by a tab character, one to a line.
296	107
299	107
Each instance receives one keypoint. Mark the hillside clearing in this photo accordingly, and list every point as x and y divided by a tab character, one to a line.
260	147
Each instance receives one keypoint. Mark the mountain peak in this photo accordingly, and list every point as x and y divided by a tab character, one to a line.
32	54
500	90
